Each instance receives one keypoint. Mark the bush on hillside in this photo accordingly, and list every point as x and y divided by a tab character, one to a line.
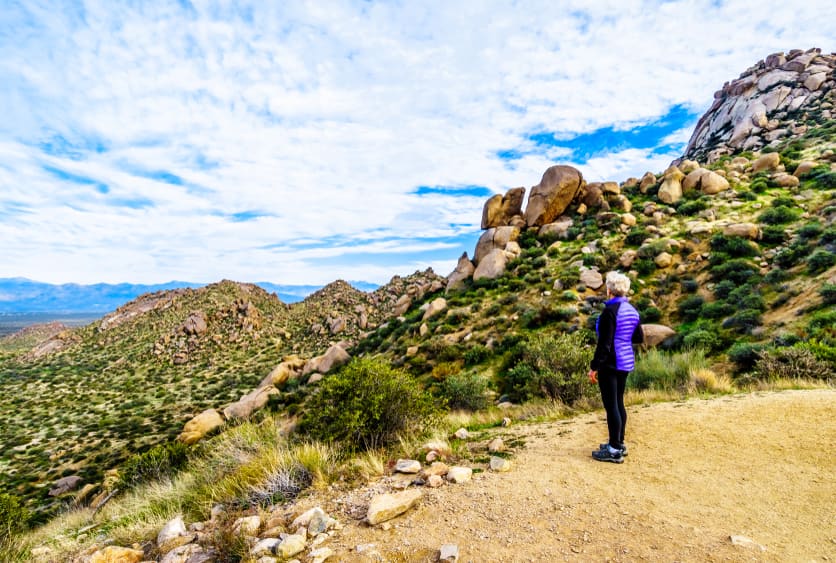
465	391
657	369
368	405
773	235
160	462
689	308
820	261
737	271
14	517
779	215
791	363
828	293
737	247
744	355
548	366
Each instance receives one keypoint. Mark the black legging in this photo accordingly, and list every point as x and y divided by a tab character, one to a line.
612	383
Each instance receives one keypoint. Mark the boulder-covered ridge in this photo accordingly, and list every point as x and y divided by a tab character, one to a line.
777	97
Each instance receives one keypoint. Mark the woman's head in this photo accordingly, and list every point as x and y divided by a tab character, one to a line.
618	284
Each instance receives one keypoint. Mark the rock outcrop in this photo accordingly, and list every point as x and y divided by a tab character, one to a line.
499	210
550	198
766	103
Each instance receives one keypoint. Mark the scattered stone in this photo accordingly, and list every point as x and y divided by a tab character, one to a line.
627	258
648	181
387	506
655	334
499	210
333	358
628	219
557	229
506	421
189	553
500	464
491	266
496	445
172	535
409	466
201	425
437	305
663	260
743	541
591	278
769	161
268	546
786	180
247	525
320	555
749	231
291	545
431	456
804	168
115	554
255	400
436	468
442	448
435	481
461	434
449	553
65	485
459	475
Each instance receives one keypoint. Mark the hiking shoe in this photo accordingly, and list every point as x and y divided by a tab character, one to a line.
623	447
605	454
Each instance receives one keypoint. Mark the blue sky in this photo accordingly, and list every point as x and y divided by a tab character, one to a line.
302	142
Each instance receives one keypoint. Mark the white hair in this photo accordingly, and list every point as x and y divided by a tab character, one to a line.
618	284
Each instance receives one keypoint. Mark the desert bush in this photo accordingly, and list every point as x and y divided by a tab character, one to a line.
465	391
644	266
367	405
792	255
737	271
716	310
689	208
822	324
779	215
737	247
161	461
689	308
791	363
820	261
707	380
690	285
14	517
657	369
828	293
744	355
743	321
554	367
636	236
773	235
809	231
476	354
705	339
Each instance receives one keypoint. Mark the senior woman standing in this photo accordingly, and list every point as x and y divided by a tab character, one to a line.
618	328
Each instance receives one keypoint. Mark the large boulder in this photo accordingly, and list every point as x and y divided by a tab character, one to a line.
591	278
499	210
592	195
712	183
558	229
65	485
195	324
749	231
463	272
671	189
769	161
655	334
290	368
333	358
201	425
435	307
255	400
550	198
492	239
116	554
491	266
647	182
172	535
387	506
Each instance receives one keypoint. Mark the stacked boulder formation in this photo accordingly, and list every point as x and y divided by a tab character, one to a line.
773	99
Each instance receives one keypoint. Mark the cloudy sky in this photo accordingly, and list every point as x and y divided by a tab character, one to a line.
301	142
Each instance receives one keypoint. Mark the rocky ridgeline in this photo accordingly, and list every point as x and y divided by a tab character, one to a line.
775	98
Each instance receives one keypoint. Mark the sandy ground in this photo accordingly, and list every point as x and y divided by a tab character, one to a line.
759	465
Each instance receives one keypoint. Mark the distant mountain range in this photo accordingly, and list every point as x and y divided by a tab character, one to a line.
21	295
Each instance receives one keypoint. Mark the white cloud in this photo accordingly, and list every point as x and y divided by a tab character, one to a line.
326	118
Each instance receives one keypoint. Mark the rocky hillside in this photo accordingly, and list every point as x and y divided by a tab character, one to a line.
730	250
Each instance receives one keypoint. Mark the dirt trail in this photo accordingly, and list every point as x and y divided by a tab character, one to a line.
760	465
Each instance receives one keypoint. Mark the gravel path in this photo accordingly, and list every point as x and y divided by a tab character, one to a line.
759	465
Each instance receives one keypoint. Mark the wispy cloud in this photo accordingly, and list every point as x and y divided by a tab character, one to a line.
303	142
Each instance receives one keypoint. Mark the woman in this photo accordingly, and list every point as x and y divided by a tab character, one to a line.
618	328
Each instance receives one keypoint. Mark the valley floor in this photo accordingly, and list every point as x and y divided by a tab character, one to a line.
759	465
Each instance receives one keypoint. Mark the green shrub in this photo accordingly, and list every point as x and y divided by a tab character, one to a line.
773	235
657	369
476	354
14	517
161	461
644	266
690	285
554	367
783	201
465	391
820	261
636	236
723	288
828	293
716	310
737	247
792	255
809	231
689	208
828	236
791	363
689	308
823	324
778	216
737	270
744	355
704	339
743	321
650	314
367	405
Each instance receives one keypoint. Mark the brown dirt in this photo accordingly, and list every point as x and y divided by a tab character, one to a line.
759	465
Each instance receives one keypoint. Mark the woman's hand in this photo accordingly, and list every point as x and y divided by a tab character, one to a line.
593	376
